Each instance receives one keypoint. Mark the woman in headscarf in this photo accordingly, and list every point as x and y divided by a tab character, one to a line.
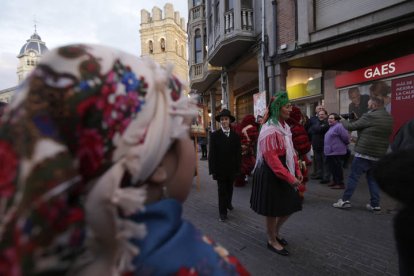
276	176
95	161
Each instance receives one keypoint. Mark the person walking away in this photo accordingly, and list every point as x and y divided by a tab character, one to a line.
374	129
202	141
318	131
224	160
276	176
335	148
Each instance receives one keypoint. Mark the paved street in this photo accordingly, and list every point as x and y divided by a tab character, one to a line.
322	240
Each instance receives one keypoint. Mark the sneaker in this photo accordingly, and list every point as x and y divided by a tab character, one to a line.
342	204
373	209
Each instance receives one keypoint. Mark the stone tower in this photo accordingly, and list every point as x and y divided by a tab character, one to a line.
29	55
164	38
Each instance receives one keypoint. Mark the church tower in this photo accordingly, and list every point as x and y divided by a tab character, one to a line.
29	55
164	38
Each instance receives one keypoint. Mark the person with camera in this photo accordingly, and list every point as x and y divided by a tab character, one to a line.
358	104
374	129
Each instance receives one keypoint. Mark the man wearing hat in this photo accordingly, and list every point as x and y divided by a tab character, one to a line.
224	160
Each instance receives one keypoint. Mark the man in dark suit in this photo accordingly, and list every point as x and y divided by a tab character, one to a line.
224	160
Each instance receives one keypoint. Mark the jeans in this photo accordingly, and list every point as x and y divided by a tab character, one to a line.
335	166
360	166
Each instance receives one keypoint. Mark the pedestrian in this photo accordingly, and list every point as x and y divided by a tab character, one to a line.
224	161
313	120
335	149
248	132
203	141
276	176
374	130
96	162
318	131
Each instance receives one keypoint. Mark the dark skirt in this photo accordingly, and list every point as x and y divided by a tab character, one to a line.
272	196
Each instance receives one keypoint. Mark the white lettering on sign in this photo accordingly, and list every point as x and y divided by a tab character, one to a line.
382	70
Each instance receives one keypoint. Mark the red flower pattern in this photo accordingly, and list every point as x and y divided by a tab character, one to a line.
90	152
8	167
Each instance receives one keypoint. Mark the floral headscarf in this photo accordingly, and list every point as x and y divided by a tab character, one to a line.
83	133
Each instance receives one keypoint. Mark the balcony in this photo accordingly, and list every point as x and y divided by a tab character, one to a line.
202	75
237	36
197	13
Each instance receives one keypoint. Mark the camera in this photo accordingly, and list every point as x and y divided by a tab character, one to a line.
349	116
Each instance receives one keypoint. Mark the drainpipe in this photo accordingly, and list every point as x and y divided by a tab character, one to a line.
272	80
263	78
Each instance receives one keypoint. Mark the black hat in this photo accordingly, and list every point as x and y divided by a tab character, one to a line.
225	113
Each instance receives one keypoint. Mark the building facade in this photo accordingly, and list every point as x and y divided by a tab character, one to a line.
164	38
225	57
306	47
29	55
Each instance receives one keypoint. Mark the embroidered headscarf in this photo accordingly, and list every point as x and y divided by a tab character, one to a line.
82	134
266	139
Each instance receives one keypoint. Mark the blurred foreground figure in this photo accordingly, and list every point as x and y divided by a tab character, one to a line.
96	161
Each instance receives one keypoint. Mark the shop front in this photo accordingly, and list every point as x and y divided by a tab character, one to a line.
304	87
392	80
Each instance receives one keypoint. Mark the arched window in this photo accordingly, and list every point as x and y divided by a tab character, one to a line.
198	50
150	47
162	43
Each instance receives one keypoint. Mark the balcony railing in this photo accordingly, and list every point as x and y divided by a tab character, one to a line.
247	19
197	71
198	12
229	21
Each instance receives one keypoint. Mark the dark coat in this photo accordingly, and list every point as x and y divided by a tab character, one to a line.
224	158
318	131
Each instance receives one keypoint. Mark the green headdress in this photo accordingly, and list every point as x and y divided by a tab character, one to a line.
280	99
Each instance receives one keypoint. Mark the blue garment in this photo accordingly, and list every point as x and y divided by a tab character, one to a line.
173	245
360	166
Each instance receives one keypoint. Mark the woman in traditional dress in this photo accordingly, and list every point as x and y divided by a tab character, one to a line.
276	176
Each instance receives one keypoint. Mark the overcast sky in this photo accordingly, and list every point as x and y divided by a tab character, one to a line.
110	22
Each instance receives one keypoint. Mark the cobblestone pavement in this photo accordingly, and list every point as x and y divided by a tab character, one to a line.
322	240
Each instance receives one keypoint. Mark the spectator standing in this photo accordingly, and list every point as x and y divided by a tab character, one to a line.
203	142
318	131
224	161
335	149
374	129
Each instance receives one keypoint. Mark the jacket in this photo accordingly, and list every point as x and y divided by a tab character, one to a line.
374	131
336	140
224	158
318	131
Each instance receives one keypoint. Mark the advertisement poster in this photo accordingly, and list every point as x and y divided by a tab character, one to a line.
402	101
259	103
198	126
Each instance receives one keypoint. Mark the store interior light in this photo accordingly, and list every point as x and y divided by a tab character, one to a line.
209	115
310	79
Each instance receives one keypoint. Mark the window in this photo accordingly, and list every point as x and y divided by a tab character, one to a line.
150	47
198	51
246	4
162	44
197	2
32	62
229	5
28	62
